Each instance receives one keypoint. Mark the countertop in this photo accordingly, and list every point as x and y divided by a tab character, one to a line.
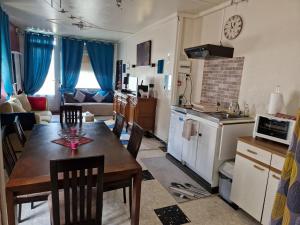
270	146
205	115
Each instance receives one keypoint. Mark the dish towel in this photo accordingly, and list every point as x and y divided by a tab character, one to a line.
286	208
189	129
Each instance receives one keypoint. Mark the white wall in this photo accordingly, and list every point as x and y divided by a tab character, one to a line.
163	36
270	43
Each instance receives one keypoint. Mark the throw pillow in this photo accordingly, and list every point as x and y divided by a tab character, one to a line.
98	97
88	96
24	101
69	98
79	96
16	105
109	97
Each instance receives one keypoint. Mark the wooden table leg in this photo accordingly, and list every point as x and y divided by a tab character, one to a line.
136	198
10	208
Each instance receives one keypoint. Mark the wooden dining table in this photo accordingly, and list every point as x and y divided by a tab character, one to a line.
31	173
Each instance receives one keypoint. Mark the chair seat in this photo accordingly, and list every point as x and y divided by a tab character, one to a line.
62	206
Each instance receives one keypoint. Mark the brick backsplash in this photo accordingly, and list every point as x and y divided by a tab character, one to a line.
222	80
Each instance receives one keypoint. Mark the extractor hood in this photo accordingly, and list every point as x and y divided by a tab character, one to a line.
209	52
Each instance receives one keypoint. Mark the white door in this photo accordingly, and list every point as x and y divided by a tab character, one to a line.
272	187
249	186
190	148
175	141
207	139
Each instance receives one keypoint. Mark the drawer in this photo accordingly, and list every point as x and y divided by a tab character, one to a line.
254	152
277	162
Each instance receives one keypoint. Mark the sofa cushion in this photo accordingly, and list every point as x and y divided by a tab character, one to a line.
79	96
6	107
24	101
38	103
98	109
44	115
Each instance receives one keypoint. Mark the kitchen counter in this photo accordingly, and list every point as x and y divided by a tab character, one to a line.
210	117
270	146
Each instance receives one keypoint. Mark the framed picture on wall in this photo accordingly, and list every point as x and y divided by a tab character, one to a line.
144	54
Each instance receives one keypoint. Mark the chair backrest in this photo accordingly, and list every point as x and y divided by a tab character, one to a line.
19	131
71	114
82	180
135	139
9	154
119	124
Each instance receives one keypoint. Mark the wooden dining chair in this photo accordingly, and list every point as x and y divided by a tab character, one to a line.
73	199
19	131
133	147
10	159
119	124
71	115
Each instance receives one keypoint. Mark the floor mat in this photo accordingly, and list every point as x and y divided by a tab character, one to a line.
171	215
178	184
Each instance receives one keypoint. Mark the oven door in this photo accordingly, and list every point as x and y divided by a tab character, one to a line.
270	128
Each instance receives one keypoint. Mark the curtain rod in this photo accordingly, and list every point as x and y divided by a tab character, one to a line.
66	36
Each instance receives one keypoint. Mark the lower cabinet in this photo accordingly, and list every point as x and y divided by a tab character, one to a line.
256	177
249	186
175	143
273	182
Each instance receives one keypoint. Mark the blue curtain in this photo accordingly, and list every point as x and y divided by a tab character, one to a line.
72	51
6	67
37	59
102	57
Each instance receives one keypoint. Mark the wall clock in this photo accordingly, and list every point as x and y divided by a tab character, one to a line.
233	27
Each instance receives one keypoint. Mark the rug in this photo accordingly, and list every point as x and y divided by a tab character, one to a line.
176	182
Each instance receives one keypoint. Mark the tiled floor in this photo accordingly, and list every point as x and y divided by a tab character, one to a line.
207	211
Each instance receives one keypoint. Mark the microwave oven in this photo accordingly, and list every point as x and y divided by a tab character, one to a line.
274	128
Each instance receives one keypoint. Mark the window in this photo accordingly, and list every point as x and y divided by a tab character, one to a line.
48	87
87	78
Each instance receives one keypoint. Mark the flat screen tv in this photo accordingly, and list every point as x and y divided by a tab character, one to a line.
144	54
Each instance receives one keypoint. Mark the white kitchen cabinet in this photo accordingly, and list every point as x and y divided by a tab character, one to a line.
189	151
249	186
206	150
273	182
256	176
175	143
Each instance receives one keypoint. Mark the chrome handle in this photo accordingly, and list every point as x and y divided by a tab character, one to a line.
259	168
276	177
252	152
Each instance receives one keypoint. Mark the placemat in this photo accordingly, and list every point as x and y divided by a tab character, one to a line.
63	142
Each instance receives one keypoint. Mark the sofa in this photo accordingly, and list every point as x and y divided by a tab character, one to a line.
27	107
88	102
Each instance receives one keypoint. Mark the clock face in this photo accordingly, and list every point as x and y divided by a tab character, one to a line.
233	27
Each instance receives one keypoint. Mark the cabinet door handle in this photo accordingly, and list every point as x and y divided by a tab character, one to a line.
259	168
200	135
252	152
276	177
180	119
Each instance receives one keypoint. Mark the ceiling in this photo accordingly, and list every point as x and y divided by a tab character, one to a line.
110	22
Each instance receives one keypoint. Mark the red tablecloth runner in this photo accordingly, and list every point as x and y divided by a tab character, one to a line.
63	142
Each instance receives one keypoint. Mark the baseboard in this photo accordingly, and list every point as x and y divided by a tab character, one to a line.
193	175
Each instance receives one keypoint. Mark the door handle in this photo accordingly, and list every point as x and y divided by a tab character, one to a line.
259	168
276	177
252	152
